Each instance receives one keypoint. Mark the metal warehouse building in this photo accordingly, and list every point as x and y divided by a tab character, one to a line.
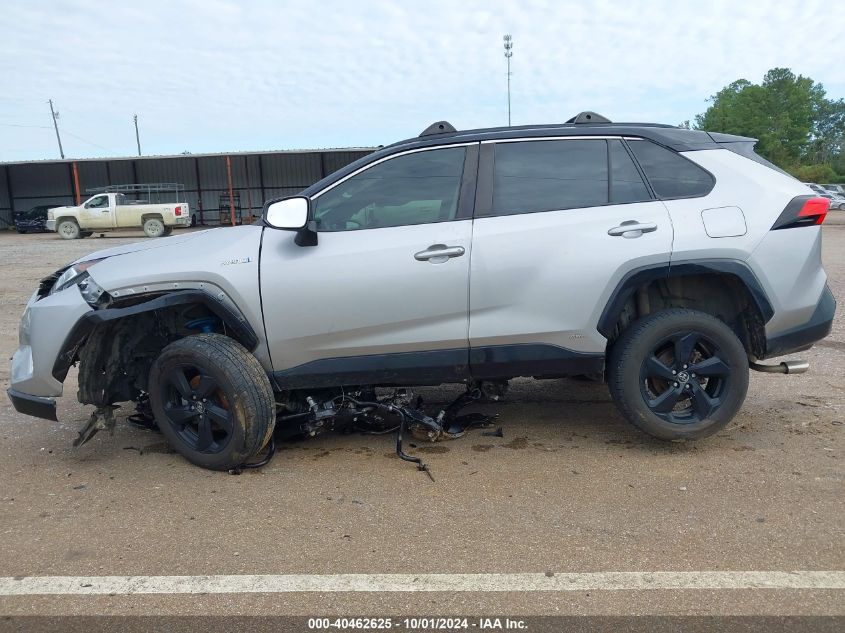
253	177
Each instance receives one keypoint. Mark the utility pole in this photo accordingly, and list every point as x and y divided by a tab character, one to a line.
55	116
508	54
137	137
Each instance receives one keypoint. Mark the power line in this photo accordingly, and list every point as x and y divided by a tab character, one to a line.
43	127
58	129
79	138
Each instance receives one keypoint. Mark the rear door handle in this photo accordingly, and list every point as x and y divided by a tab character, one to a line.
439	253
632	228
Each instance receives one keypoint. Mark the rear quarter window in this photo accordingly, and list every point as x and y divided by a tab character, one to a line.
670	174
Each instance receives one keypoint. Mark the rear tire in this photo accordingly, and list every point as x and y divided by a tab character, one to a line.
168	230
153	227
68	230
212	401
678	374
86	233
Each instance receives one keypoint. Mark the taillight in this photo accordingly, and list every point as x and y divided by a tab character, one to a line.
816	209
803	211
178	210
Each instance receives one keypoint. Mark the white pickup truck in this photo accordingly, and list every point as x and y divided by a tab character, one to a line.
110	211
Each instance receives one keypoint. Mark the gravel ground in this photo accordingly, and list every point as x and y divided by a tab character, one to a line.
570	487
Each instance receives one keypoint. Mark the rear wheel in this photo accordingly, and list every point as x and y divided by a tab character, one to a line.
212	400
68	229
153	227
86	233
678	374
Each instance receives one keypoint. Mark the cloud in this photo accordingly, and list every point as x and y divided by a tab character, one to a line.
219	75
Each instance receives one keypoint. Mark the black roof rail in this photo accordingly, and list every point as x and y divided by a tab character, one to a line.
440	127
588	117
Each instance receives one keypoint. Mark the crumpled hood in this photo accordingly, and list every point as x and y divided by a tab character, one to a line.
145	245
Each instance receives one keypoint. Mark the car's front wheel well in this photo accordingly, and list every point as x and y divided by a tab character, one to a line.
115	359
724	296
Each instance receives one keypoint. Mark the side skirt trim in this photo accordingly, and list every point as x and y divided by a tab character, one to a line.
440	366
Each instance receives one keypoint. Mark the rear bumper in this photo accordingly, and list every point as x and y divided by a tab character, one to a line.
33	405
803	336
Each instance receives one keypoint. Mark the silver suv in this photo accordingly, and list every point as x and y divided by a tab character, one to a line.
664	259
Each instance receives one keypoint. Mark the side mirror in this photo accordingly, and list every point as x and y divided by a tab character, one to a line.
289	214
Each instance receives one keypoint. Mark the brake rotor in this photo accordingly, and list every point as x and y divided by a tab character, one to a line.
221	397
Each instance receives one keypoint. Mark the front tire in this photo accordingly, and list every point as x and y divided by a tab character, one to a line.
212	401
153	227
68	230
678	374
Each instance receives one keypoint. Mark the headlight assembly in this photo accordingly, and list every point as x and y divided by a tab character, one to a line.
78	275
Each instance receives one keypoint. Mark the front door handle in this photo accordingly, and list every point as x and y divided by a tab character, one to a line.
439	253
632	228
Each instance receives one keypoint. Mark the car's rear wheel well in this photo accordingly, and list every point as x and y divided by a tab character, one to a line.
115	360
152	216
722	295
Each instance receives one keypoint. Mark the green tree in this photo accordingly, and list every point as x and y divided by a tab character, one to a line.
796	125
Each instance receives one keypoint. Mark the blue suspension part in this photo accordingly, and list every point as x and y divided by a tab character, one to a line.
204	324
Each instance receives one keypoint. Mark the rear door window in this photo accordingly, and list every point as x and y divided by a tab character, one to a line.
532	176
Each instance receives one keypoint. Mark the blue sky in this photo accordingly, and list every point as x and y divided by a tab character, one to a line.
219	75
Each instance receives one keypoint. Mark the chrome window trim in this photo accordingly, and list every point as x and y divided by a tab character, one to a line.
550	138
387	158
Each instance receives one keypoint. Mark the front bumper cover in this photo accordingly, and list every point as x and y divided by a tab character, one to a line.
33	405
44	327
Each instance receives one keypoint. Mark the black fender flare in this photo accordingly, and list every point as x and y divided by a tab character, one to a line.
237	325
636	278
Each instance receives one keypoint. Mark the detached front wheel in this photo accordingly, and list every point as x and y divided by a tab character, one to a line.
212	400
678	374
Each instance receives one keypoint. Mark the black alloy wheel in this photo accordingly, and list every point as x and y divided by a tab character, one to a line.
197	409
684	378
212	400
678	374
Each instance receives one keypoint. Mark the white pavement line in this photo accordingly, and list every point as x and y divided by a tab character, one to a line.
370	583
